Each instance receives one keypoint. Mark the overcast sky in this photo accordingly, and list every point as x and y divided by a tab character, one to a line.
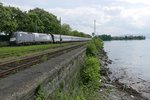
114	17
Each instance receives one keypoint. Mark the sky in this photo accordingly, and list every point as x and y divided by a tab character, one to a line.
114	17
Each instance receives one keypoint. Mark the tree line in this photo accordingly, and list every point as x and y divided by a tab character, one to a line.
105	37
12	19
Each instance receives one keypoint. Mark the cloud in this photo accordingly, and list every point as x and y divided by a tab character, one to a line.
113	16
82	18
110	20
137	17
137	1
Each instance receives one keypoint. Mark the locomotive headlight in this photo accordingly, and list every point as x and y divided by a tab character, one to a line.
12	39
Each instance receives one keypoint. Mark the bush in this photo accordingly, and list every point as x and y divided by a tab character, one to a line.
91	49
40	94
3	44
94	47
90	74
4	38
98	43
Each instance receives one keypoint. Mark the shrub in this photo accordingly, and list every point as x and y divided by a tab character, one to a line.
40	94
91	49
98	43
90	74
4	38
3	44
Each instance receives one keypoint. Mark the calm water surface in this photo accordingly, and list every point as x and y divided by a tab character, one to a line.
131	63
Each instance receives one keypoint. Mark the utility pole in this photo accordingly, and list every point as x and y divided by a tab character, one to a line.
60	30
36	29
94	33
95	27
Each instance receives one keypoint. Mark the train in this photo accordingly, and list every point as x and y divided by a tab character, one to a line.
21	38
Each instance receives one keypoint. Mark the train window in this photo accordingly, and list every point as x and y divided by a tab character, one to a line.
14	34
20	34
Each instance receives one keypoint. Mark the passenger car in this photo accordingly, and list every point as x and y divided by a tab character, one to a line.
19	38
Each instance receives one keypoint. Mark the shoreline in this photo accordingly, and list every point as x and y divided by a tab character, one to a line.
117	90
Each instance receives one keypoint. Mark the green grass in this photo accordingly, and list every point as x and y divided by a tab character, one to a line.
17	51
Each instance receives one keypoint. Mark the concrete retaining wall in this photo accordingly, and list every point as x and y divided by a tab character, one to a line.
46	77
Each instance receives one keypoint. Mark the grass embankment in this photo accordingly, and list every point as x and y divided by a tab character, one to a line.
13	52
90	78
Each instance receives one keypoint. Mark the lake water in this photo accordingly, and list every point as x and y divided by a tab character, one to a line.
131	63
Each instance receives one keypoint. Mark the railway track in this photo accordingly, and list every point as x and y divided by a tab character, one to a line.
12	67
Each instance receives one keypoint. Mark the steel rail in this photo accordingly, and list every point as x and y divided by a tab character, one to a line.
12	67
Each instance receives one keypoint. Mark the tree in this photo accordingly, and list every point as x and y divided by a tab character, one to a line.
50	22
105	37
75	33
37	20
1	4
79	34
36	24
22	19
66	29
8	23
